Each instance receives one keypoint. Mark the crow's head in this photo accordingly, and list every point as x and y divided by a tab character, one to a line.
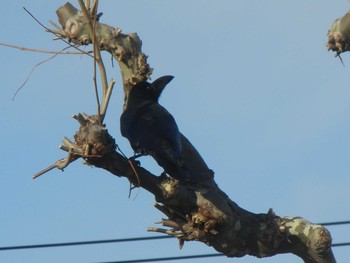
150	91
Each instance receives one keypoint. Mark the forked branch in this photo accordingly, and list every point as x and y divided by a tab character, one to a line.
200	212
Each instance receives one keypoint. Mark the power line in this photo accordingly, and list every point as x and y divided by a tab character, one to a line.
341	244
65	244
131	240
79	243
189	257
108	241
165	259
335	223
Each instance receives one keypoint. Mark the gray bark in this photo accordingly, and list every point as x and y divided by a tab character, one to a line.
339	35
194	212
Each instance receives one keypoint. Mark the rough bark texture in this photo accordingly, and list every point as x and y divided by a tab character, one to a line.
339	35
195	212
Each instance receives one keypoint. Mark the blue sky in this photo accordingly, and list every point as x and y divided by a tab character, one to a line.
255	90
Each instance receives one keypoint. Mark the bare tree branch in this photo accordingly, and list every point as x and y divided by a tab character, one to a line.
200	212
339	35
42	51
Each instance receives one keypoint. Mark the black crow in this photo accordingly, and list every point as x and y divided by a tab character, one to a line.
151	129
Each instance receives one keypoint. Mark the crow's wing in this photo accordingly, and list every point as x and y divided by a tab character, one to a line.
157	124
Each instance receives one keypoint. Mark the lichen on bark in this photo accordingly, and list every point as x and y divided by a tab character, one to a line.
339	35
201	212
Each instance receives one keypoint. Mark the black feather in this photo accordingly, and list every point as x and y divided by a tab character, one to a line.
151	129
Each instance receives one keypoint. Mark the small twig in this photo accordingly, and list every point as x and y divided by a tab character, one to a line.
96	50
37	20
70	158
135	172
132	166
64	162
69	146
59	34
96	92
80	118
341	59
60	164
45	170
31	72
106	100
97	53
170	223
94	8
59	30
87	4
42	51
165	231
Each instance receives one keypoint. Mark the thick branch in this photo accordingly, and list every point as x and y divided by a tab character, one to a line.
195	212
204	213
125	48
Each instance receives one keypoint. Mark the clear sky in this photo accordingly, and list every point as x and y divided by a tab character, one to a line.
255	90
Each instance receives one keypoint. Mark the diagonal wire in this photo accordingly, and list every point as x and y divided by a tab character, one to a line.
335	223
165	259
187	257
121	240
66	244
341	244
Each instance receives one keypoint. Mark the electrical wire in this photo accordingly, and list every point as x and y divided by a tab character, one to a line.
187	257
165	259
335	223
121	240
93	242
341	244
